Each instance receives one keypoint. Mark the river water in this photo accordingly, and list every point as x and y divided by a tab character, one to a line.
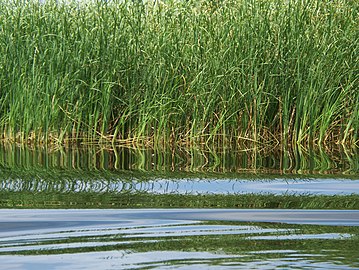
97	209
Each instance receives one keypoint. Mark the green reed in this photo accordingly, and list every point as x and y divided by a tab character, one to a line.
180	72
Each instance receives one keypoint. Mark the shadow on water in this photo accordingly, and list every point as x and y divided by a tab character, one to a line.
188	209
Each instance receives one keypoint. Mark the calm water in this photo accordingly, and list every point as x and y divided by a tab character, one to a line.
130	209
178	238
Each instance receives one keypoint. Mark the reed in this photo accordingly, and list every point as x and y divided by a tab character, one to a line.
265	73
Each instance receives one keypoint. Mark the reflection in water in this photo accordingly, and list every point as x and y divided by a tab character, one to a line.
167	239
57	188
189	160
127	259
193	236
187	186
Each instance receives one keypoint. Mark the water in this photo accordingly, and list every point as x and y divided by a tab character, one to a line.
96	209
178	238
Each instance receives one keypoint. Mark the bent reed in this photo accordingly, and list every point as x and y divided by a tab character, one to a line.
265	72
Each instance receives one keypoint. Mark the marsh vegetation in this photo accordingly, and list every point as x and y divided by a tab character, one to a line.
232	72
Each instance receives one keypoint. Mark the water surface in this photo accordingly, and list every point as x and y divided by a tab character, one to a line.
129	209
178	238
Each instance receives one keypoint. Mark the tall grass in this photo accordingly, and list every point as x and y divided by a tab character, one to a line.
180	72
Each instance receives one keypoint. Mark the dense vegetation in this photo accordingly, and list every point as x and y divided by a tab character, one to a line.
268	72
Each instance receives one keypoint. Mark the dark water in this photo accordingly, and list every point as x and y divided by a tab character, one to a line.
130	209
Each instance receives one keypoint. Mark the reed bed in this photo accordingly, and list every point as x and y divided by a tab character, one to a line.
264	73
